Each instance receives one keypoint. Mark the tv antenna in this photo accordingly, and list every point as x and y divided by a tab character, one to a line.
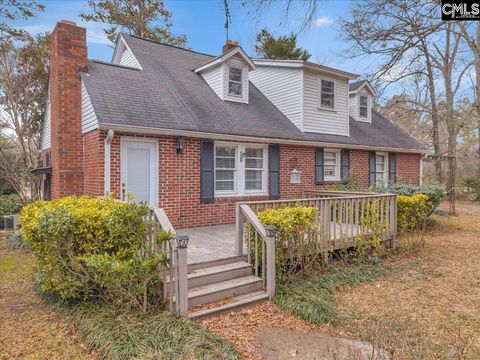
228	19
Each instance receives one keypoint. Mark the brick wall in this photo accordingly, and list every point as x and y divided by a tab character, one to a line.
68	57
408	168
94	162
179	179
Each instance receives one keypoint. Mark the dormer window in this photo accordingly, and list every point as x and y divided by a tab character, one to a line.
234	81
327	94
363	110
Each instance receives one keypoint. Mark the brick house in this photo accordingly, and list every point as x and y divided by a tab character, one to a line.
194	133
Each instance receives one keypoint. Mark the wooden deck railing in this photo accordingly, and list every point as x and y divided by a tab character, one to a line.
174	276
264	246
339	216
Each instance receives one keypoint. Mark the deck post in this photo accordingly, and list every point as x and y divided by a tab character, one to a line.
271	276
182	282
239	229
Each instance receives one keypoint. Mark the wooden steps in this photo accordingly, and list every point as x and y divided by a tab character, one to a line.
221	286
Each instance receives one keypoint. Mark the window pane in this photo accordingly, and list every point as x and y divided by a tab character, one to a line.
363	111
224	174
327	100
253	185
235	74
225	151
234	88
363	101
252	152
224	185
327	86
253	174
225	163
254	163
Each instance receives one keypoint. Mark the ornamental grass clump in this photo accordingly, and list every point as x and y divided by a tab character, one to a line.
93	248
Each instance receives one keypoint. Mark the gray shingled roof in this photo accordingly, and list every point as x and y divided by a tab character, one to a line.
167	94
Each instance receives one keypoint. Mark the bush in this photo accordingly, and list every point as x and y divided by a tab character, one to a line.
9	204
412	215
435	192
473	186
296	237
89	248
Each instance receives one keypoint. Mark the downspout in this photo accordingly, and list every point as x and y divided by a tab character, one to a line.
421	171
108	142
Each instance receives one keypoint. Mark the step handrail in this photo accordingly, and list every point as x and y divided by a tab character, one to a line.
176	271
268	273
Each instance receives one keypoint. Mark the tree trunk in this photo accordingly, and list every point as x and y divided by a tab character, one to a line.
477	94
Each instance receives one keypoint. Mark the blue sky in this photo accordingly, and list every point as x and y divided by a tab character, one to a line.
202	21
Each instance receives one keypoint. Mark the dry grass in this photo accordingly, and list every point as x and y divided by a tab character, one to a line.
29	329
430	307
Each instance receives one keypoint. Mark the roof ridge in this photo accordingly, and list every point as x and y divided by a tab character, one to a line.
112	64
169	45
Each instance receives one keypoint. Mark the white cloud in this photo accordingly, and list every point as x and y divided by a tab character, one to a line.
37	29
322	21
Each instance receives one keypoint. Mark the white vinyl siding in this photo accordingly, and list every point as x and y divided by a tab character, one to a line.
128	59
381	169
283	87
124	56
352	105
213	77
240	169
89	119
236	62
320	120
46	139
331	164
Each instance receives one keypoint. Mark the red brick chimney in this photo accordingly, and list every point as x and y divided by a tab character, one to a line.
68	57
230	44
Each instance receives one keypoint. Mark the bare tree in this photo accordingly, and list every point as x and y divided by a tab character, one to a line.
23	90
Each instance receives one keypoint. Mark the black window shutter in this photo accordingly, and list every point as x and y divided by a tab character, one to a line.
274	172
392	168
345	163
319	176
207	192
371	168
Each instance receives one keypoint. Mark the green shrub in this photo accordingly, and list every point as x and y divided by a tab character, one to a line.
369	242
9	204
473	186
296	235
435	192
83	243
412	215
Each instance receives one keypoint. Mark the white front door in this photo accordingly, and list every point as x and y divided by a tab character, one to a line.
139	170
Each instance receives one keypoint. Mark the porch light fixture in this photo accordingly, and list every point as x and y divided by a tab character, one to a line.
180	144
182	241
295	177
271	230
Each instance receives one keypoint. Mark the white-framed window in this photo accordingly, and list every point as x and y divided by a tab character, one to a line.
331	164
381	169
363	106
240	169
234	81
327	94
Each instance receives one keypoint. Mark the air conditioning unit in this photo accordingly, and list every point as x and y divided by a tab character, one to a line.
10	222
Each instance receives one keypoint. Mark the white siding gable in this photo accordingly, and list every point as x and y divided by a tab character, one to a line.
283	87
89	119
124	56
217	78
354	104
214	78
320	120
46	137
237	62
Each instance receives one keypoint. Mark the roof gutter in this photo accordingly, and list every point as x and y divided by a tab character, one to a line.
242	138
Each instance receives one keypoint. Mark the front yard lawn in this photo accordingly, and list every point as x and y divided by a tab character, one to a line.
32	329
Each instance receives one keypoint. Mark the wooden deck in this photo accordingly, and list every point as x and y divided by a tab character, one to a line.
217	242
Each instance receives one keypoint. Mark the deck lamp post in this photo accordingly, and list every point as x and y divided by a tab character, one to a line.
271	231
182	241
